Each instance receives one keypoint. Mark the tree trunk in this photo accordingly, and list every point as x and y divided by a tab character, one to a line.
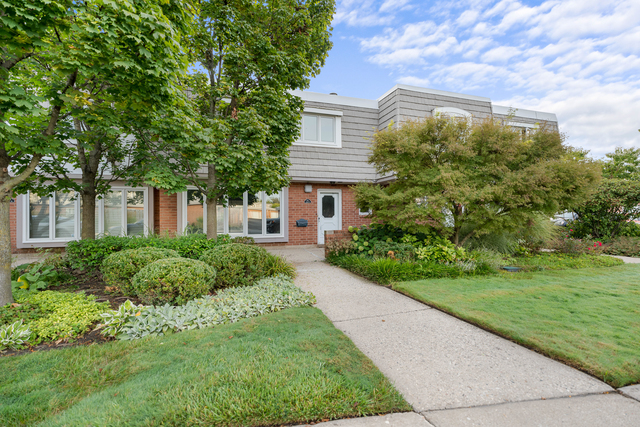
212	203
6	296
88	214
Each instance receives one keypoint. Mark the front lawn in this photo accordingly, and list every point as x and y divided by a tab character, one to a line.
588	318
287	367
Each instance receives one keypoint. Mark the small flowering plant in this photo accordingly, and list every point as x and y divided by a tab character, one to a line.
569	245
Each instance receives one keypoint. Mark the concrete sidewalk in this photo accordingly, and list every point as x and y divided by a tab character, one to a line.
453	373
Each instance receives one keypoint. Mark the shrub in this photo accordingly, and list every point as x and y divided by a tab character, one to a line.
119	268
341	247
237	264
63	315
247	240
276	266
173	281
630	230
624	246
569	245
90	254
228	306
399	251
606	214
387	270
443	252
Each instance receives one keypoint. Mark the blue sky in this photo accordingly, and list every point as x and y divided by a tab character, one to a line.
579	59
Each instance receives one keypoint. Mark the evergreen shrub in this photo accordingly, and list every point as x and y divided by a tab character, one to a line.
119	268
173	281
237	264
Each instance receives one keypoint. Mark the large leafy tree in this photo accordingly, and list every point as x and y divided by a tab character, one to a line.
466	178
57	57
238	120
616	201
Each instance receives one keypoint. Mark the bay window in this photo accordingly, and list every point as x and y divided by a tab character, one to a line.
255	215
57	218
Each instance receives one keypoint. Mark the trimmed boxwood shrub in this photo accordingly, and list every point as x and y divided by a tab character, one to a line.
237	264
173	281
88	254
119	268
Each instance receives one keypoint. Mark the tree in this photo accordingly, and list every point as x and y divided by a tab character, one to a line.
616	201
609	210
56	57
466	179
623	163
239	118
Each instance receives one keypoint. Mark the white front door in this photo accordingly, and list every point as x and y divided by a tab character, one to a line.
329	212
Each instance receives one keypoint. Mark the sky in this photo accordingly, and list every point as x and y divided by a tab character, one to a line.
579	59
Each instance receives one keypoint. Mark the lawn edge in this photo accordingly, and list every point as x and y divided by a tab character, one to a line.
525	343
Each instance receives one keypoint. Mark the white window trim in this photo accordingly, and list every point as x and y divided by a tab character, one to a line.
77	226
245	219
452	112
123	195
337	120
26	221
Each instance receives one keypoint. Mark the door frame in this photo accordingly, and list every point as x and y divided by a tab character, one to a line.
337	191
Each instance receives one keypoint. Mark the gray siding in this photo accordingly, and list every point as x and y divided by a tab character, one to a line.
388	110
346	164
551	124
361	119
418	105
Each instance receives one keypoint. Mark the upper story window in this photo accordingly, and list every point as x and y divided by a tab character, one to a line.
524	129
451	112
321	128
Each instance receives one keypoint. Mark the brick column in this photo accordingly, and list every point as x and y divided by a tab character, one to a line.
167	219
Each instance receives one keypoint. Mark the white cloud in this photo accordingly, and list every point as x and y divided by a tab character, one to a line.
577	58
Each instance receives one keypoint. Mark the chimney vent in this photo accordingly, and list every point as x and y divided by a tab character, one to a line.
333	93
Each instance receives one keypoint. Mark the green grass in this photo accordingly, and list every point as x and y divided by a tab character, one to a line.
287	367
588	318
560	261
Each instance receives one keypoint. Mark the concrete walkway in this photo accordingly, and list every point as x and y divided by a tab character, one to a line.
453	373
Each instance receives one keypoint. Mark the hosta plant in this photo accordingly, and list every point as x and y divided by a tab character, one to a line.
14	335
114	320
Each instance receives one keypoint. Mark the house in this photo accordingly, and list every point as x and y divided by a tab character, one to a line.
330	155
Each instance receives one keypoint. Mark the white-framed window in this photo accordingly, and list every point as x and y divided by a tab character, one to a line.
451	112
57	218
525	129
255	215
51	218
321	128
123	212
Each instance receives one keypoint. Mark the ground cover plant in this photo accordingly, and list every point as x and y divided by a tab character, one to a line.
587	318
290	367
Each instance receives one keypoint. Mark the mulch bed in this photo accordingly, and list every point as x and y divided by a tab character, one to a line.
92	284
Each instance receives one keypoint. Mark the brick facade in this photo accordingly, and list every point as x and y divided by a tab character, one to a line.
166	221
309	211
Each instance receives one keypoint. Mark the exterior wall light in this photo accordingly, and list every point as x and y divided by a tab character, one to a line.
308	188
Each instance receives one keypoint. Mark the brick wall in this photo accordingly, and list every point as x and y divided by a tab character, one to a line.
166	220
309	211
